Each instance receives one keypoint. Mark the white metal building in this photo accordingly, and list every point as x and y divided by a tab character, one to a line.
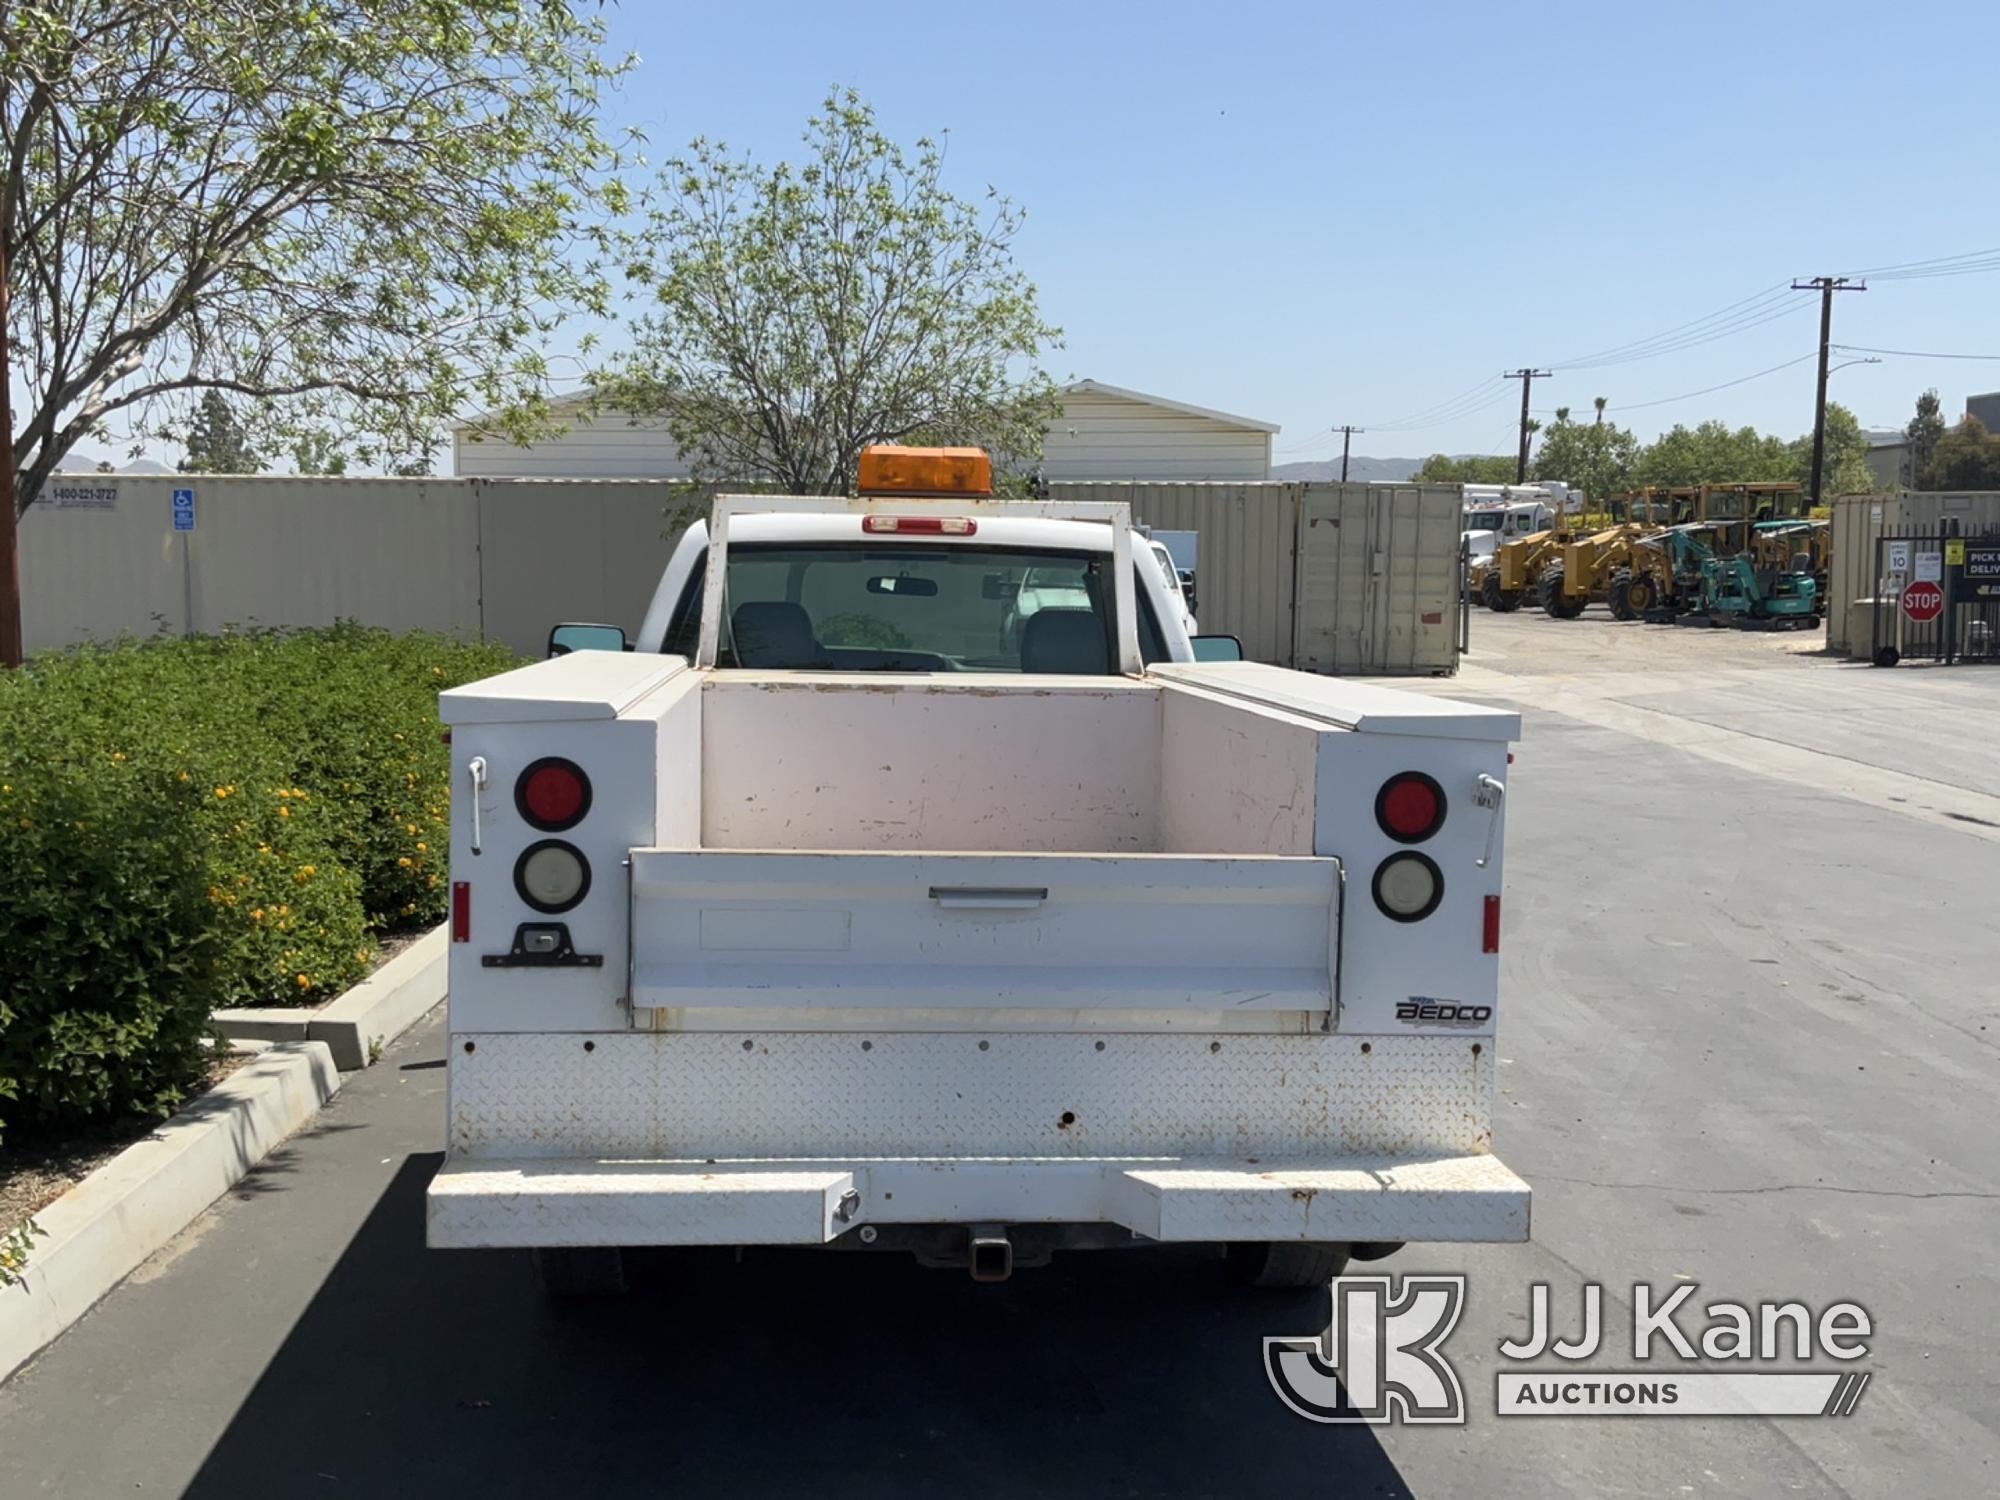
1105	432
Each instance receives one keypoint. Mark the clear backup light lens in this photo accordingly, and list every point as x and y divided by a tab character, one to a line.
1408	886
1410	807
552	876
553	794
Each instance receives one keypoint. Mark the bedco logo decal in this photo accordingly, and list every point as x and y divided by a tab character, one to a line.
1422	1010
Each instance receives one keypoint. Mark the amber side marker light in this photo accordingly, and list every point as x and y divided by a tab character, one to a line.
891	469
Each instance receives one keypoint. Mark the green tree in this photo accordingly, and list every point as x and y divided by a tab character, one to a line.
318	453
1714	453
795	314
361	216
1924	433
216	443
1471	468
1845	464
1968	458
1596	457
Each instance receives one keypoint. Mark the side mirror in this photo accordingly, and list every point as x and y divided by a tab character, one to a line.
1217	648
576	637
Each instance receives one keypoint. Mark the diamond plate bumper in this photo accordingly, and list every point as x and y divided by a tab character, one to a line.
556	1201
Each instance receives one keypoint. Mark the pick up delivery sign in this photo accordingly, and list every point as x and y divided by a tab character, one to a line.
1382	1360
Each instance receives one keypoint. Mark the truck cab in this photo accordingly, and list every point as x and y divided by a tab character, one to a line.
1505	514
834	912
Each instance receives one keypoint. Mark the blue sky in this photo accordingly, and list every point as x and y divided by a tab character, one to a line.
1317	214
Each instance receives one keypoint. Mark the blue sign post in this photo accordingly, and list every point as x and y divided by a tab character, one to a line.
184	510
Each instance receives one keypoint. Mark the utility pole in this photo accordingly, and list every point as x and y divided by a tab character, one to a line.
10	542
1527	378
1826	286
1346	437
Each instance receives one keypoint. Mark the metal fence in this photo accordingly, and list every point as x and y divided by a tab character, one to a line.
1937	596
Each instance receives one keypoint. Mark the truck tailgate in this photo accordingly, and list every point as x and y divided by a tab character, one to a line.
1070	931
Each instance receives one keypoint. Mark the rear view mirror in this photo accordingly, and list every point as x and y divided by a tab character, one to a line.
1217	648
998	586
915	588
577	637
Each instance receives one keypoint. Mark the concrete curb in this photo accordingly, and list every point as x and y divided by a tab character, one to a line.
380	1008
101	1229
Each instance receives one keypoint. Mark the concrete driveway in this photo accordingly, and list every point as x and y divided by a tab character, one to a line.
1749	1040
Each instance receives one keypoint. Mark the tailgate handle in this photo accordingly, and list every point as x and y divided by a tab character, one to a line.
989	897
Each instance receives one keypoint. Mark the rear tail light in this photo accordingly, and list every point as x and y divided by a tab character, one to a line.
552	876
1408	886
553	794
920	525
1410	807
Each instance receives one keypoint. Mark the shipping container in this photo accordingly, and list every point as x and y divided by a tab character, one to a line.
1859	519
1378	580
1355	579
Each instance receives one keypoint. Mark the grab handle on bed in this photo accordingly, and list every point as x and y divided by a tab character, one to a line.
989	897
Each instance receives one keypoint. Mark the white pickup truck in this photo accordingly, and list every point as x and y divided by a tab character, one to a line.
837	913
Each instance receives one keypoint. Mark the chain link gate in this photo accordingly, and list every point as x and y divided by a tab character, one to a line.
1937	596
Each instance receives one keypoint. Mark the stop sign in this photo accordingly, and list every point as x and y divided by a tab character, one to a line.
1923	602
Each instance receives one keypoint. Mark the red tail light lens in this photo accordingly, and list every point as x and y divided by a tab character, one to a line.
1410	807
461	911
552	794
1490	934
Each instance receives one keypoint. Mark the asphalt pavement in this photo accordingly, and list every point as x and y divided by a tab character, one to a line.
1748	1040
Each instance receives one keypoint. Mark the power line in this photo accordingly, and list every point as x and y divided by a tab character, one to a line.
1767	296
1709	389
1969	263
1910	353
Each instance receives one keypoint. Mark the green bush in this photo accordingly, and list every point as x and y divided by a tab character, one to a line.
186	825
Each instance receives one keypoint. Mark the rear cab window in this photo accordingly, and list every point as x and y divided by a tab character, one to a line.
862	607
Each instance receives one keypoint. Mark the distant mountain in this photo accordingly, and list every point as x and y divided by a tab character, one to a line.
1359	470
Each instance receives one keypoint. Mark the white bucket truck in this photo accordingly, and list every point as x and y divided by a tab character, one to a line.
845	908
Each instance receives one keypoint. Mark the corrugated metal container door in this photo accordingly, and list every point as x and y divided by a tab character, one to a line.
1377	590
1245	567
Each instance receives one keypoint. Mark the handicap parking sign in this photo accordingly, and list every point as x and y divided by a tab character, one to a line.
184	510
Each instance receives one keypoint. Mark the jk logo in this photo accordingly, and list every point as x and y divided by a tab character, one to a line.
1378	1361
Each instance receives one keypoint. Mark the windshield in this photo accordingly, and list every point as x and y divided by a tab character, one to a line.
865	607
1483	520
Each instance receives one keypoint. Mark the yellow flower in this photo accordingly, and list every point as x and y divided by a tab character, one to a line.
257	915
284	812
184	776
437	671
305	983
224	791
117	754
284	911
434	880
422	845
27	822
410	827
404	861
296	792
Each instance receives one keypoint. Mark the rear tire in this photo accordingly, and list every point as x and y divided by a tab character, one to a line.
1641	593
1555	604
580	1273
1506	601
1489	591
1285	1264
1620	598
